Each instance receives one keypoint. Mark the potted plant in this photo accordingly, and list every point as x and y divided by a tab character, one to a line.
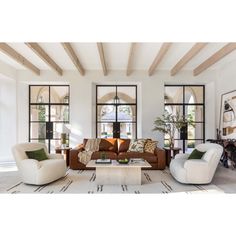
104	134
170	123
103	156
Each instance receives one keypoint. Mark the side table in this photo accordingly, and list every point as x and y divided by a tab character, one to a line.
170	153
66	152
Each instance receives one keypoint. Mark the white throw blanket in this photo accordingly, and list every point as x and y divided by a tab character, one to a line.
91	146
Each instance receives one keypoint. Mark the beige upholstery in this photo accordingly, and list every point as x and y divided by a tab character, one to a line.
38	172
197	171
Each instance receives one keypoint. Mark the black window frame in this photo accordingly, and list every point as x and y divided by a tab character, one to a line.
184	105
117	104
49	104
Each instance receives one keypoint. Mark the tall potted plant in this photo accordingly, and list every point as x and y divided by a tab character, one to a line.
170	123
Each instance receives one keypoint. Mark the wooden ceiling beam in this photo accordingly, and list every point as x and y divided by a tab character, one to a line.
131	52
163	50
9	51
102	58
187	57
227	49
45	57
74	58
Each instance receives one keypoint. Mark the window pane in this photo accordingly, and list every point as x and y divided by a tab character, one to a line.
106	113
173	109
38	130
173	94
177	143
128	130
195	111
59	94
106	94
44	141
195	132
126	94
191	144
105	130
39	94
59	128
54	145
60	113
194	94
126	113
39	112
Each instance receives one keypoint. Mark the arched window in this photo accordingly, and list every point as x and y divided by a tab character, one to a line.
116	111
49	111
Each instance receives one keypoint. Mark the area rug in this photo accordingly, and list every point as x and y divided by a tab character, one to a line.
79	181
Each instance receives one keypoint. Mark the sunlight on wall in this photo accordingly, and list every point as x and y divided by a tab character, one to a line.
7	118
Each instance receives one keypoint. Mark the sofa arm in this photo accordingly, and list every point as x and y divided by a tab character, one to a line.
182	155
195	164
161	158
74	163
30	165
55	156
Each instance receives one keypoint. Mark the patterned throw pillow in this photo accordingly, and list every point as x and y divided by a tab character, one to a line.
150	146
137	145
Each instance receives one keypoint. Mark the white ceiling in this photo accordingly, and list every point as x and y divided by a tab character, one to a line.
116	56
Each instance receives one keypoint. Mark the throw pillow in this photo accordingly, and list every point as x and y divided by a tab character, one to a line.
137	145
196	154
150	146
38	155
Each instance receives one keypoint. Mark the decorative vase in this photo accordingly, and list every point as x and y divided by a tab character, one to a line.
63	140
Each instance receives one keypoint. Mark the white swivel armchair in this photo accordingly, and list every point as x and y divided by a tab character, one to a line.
38	172
197	171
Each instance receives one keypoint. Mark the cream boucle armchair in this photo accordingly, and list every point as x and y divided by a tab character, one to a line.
38	172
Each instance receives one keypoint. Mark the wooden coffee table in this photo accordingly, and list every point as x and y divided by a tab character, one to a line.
115	173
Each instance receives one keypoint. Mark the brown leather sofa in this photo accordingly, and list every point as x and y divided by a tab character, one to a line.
117	149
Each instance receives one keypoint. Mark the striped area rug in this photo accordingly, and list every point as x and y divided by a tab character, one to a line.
78	181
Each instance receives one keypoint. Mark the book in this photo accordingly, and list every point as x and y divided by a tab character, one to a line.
103	161
136	160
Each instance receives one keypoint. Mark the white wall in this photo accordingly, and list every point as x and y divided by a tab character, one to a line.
8	111
8	117
150	98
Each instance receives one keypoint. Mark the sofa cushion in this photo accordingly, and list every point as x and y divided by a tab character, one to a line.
150	146
147	156
105	144
39	155
109	155
137	145
109	144
123	145
196	154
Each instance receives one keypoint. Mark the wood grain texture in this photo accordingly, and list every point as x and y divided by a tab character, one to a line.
74	58
45	57
130	59
163	50
187	57
6	49
102	58
227	49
